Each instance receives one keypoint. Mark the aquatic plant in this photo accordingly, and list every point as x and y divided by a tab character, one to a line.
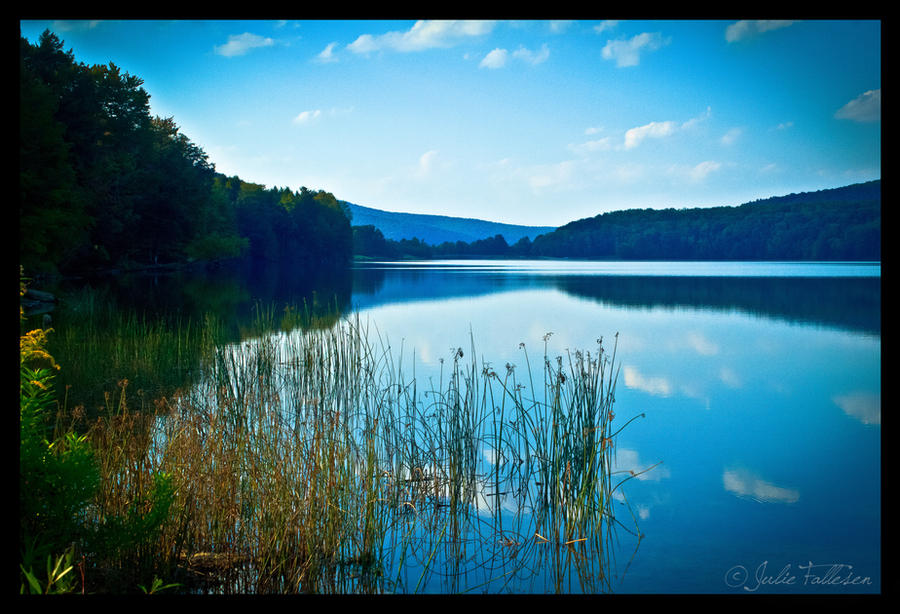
306	461
308	458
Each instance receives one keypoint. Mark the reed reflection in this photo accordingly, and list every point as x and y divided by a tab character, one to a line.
335	474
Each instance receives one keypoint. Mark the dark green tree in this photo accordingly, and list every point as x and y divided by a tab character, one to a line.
53	224
369	241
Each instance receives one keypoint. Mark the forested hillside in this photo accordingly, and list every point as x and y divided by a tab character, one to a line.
837	224
103	184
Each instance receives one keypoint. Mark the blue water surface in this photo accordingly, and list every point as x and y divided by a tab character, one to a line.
760	385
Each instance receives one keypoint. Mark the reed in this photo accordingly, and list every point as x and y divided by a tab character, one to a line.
99	344
309	461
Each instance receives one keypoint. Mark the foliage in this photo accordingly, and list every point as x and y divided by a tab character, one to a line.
57	474
157	586
52	232
61	475
840	224
126	539
369	241
103	184
302	227
59	579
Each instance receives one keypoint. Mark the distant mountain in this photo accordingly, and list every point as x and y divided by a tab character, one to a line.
436	229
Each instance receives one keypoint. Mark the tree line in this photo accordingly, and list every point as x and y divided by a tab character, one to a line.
103	184
836	224
370	242
839	224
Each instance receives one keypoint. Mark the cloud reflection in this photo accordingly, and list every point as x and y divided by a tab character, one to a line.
627	460
864	406
743	483
658	386
730	378
700	344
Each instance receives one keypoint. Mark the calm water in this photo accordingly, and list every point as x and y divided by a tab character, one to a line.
761	386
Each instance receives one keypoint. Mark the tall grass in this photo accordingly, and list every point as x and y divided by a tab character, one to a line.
309	461
99	345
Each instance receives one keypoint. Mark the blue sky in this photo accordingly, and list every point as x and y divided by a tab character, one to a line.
528	122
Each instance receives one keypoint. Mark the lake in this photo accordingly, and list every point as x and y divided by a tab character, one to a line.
759	386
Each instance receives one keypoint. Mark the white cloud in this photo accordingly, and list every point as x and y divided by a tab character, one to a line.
494	59
426	34
604	144
364	44
745	484
694	174
557	26
864	108
327	54
66	25
307	116
784	125
748	28
426	161
655	130
239	44
731	137
607	24
497	58
628	52
531	57
697	120
701	171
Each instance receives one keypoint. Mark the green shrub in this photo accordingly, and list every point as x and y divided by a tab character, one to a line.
57	475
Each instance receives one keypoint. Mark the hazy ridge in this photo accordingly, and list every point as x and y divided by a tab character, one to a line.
436	229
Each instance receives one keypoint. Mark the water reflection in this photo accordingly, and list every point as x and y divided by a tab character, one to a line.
863	405
744	483
231	293
851	298
844	296
761	391
761	386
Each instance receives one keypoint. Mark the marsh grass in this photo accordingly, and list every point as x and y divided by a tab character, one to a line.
307	460
99	345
